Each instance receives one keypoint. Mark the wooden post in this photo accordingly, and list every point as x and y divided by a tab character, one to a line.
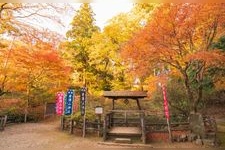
5	120
138	104
84	117
99	122
111	119
62	122
45	109
84	125
71	126
143	136
108	121
169	130
113	104
1	123
111	114
125	118
105	128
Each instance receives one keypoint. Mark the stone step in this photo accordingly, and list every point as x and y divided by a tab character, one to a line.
123	140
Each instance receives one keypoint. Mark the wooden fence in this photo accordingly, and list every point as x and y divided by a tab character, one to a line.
3	120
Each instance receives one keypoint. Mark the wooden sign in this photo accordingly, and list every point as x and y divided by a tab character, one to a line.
98	110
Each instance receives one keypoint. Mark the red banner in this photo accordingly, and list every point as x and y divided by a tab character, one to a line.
59	103
166	107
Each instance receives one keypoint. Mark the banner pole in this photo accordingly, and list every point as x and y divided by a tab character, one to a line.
84	125
166	109
169	130
84	117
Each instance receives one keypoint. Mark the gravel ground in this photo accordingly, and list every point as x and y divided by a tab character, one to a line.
47	135
42	135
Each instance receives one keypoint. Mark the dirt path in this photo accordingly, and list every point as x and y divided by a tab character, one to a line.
47	135
221	130
42	135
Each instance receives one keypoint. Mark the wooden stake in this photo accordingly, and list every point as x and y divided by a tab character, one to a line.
99	121
84	117
169	130
71	126
62	122
84	125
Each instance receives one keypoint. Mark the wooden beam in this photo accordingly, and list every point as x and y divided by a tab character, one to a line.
143	136
62	123
138	104
125	94
71	126
105	128
125	118
128	111
126	145
113	104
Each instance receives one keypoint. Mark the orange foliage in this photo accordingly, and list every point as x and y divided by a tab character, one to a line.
177	34
214	58
9	103
179	37
153	82
39	66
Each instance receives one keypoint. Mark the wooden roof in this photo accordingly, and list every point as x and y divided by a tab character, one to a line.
125	94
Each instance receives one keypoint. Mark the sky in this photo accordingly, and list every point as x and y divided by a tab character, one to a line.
103	12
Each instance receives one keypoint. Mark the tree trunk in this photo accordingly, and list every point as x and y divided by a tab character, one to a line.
197	100
189	93
200	87
193	101
27	103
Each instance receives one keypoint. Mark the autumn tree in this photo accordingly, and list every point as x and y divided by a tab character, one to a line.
5	66
106	63
218	73
33	67
119	30
121	27
179	37
14	20
40	69
79	42
30	64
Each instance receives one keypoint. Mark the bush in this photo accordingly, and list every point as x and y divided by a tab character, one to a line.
13	108
36	113
90	116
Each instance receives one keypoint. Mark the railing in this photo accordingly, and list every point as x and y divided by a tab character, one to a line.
127	118
68	123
